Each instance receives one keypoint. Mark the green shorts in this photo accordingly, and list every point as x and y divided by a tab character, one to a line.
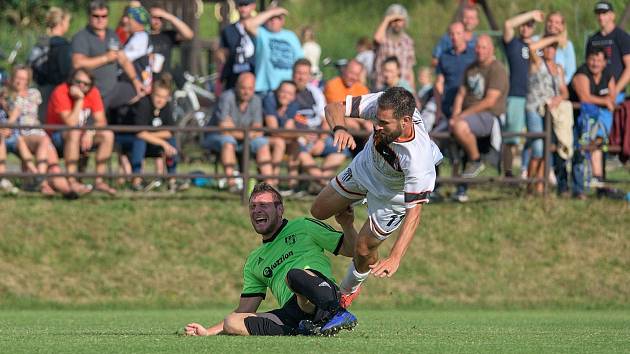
515	118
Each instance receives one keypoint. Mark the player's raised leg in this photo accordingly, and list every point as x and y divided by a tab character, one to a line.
328	203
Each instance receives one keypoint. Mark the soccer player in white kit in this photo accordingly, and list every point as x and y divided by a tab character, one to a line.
395	172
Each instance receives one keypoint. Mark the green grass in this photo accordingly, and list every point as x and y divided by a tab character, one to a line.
392	331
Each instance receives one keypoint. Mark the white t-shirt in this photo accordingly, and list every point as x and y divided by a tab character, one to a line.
137	46
403	171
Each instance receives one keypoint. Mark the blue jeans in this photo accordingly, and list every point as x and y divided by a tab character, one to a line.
135	149
535	124
215	142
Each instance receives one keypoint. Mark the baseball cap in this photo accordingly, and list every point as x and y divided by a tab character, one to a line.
244	2
603	6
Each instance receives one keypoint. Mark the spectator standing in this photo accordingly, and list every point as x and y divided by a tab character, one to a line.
163	41
365	56
71	104
565	53
239	108
312	50
96	48
392	40
518	56
616	44
138	47
276	48
593	91
470	20
238	46
546	90
479	103
122	29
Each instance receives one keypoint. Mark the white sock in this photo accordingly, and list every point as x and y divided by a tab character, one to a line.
352	280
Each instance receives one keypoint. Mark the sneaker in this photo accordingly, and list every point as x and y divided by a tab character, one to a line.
155	184
597	182
460	197
7	186
343	319
473	169
308	328
346	299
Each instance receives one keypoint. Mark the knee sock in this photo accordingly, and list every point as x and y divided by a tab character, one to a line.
317	289
352	280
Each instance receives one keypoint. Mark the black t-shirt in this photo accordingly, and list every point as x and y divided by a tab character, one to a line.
616	44
144	113
235	63
163	43
596	89
517	53
59	62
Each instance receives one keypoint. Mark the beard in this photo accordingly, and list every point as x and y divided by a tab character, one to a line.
386	139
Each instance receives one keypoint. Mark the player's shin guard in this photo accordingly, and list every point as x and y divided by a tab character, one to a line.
318	289
352	280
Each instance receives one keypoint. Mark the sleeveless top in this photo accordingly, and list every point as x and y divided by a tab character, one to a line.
541	86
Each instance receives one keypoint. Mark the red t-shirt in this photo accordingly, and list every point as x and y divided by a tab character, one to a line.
60	101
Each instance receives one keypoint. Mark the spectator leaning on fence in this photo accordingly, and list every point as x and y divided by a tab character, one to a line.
71	104
392	40
593	91
276	48
239	108
546	90
238	46
470	20
518	56
479	103
163	40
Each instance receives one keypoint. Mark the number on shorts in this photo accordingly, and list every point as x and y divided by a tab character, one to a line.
393	218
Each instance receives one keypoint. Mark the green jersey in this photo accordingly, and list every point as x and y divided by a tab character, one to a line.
299	243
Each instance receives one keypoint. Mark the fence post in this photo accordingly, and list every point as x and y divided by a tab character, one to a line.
245	172
547	152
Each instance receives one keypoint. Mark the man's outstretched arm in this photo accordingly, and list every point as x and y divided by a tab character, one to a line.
246	305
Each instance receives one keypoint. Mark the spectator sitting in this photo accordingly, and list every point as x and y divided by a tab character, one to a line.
616	44
237	46
96	48
7	137
279	109
72	104
565	54
365	56
22	104
340	87
479	103
519	61
162	40
276	48
312	50
239	108
470	20
390	69
392	40
593	85
545	89
425	84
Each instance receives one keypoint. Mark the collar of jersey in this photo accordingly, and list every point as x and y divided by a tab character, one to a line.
284	223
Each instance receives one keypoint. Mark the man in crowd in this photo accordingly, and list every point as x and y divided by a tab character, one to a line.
277	48
517	52
162	40
71	104
239	108
392	40
470	19
237	46
96	48
616	44
291	262
479	103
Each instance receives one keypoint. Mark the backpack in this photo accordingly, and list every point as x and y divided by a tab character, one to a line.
38	60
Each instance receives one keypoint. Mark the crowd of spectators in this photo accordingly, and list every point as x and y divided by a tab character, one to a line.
270	77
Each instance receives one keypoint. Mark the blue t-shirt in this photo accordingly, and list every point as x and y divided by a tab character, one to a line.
275	54
270	108
445	44
517	52
565	56
453	66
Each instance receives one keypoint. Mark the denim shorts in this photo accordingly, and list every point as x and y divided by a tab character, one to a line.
329	148
215	142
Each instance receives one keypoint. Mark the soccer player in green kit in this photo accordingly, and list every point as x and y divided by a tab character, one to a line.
292	263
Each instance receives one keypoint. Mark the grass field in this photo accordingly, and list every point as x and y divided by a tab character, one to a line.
378	332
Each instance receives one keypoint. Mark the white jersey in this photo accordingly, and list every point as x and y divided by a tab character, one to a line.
402	172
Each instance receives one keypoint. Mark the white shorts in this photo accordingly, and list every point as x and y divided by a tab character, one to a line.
385	217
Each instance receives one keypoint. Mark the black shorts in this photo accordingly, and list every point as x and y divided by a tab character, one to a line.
154	151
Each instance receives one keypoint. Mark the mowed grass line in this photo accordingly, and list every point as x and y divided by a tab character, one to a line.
379	331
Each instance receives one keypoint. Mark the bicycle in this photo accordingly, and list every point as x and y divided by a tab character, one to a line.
192	106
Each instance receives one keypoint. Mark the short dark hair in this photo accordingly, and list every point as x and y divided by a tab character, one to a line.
400	100
96	5
596	51
392	59
302	61
78	70
264	187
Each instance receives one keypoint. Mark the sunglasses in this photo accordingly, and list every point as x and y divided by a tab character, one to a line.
81	82
529	23
100	16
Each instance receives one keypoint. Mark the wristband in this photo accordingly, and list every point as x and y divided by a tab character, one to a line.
339	127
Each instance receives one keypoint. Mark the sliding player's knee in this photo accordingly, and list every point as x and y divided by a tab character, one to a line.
233	324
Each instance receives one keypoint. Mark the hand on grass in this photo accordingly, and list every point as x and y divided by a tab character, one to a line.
195	329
